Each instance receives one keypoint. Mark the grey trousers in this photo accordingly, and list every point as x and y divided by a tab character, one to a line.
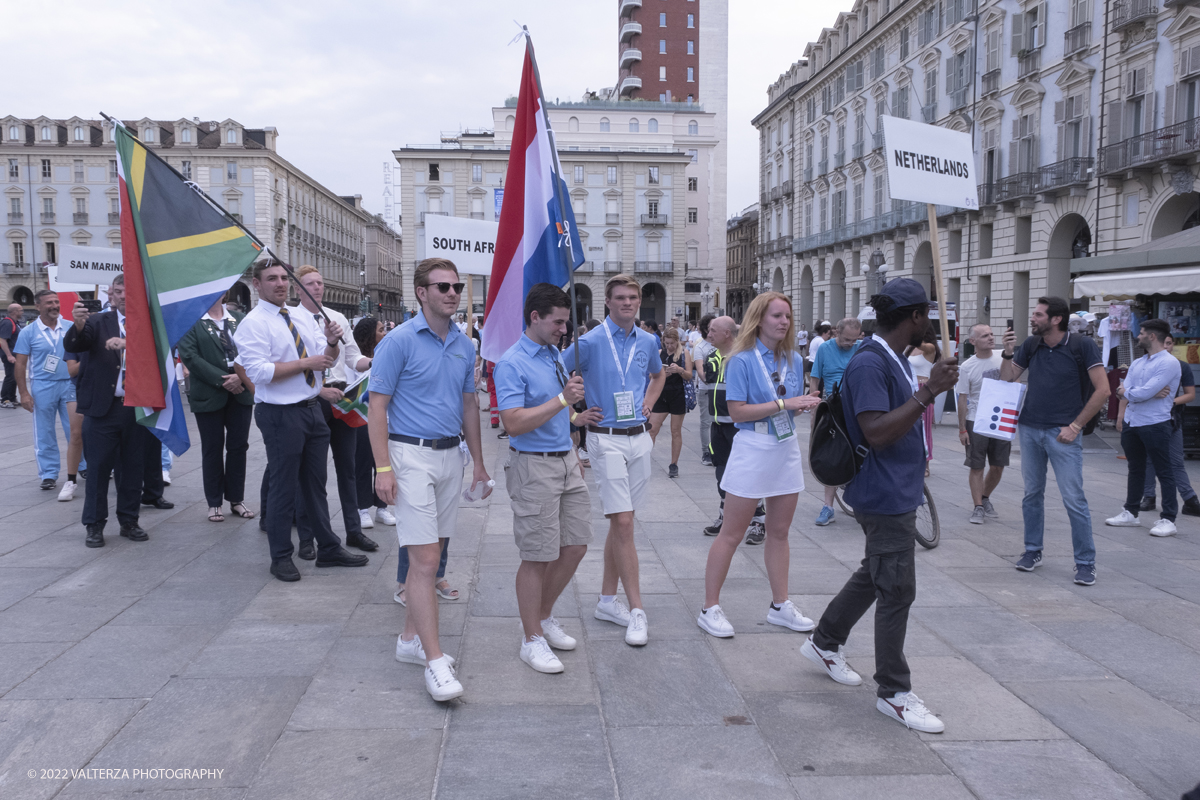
704	401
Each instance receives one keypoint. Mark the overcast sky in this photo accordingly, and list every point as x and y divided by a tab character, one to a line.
347	83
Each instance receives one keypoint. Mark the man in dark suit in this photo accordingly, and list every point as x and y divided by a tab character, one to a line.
111	436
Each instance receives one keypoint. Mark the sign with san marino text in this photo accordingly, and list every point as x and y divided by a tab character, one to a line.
469	243
89	266
929	164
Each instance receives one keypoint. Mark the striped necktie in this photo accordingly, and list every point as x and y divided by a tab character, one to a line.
308	373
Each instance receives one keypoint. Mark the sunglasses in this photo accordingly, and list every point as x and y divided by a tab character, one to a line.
780	389
445	288
561	373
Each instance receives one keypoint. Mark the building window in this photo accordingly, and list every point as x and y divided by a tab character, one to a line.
693	184
233	206
231	136
79	133
662	46
691	98
652	126
612	176
652	208
662	97
19	252
47	205
434	172
14	170
45	133
78	170
691	48
633	125
1132	201
693	216
112	171
231	175
476	173
579	173
14	132
652	174
185	169
691	20
51	253
662	73
14	205
693	128
46	172
694	155
185	136
691	74
662	20
573	124
604	125
148	135
904	43
80	205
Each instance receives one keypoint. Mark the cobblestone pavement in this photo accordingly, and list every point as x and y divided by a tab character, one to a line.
183	653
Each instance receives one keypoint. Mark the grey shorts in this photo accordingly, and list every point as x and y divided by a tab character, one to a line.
550	502
982	450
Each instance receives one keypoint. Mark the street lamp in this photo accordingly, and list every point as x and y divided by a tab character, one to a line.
706	297
878	272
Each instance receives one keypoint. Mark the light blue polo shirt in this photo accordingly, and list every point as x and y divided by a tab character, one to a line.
37	341
425	377
745	382
526	376
831	363
602	377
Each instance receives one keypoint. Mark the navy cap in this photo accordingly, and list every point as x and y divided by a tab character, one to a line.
905	292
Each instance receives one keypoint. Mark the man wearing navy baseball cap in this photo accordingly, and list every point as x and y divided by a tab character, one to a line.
883	407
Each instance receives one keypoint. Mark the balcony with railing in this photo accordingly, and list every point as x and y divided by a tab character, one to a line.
1128	12
479	215
929	113
629	30
613	266
1077	38
1028	63
16	218
114	218
839	159
960	98
808	174
776	193
1065	173
433	214
48	217
764	198
581	218
856	149
990	82
1174	142
627	7
20	268
787	188
823	167
903	215
80	218
612	219
587	266
877	140
629	56
655	220
987	194
629	83
653	266
1015	187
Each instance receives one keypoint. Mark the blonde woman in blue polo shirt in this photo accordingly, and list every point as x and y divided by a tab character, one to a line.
764	383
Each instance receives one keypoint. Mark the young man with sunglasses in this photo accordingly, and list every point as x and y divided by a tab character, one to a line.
552	510
422	402
623	376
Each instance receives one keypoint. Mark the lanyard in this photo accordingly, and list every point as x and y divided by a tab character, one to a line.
52	340
766	374
617	359
912	379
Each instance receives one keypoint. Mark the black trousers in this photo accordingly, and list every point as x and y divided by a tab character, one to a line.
364	470
297	442
887	576
224	440
343	442
720	444
152	479
9	390
114	442
1153	443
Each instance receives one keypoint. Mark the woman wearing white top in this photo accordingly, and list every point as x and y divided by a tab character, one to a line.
922	359
764	382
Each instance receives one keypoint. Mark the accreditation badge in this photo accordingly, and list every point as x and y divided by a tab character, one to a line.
624	404
783	425
51	364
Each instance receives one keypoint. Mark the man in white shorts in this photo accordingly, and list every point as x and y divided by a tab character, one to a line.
422	402
622	374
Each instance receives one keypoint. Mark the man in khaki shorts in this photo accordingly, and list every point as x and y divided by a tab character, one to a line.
551	506
422	401
623	376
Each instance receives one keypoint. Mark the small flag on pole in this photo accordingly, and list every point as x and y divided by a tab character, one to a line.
352	408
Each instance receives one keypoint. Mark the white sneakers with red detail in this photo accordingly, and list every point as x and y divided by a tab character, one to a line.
832	661
907	708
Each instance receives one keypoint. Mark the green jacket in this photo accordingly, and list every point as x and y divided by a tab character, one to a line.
202	353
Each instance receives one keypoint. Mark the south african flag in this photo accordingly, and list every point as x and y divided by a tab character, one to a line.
352	408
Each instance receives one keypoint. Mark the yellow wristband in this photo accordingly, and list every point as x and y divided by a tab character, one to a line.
574	416
1076	427
781	406
563	400
383	469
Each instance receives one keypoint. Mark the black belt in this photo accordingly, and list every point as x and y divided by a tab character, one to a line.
432	444
339	385
558	454
634	431
312	401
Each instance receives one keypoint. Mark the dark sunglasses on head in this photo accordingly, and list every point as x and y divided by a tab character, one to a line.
445	288
561	373
780	389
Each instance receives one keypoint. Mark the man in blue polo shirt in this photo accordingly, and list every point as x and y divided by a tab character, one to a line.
623	376
422	402
883	407
552	510
39	353
828	367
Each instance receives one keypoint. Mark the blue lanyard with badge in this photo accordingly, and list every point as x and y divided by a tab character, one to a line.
782	419
624	398
912	382
52	359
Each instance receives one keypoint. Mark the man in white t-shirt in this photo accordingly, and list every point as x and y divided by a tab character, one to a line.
822	333
980	449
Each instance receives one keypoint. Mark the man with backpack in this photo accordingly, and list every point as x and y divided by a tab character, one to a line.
1067	388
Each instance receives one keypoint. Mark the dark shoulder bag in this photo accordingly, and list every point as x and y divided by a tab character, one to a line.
832	457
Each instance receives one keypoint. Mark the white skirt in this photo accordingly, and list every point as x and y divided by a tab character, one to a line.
762	466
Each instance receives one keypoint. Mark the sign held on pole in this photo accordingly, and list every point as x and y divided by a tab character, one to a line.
929	164
469	243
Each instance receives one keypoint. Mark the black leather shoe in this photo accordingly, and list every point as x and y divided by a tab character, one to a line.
83	474
285	569
307	551
49	484
362	542
95	535
1191	507
134	533
342	558
161	502
1148	503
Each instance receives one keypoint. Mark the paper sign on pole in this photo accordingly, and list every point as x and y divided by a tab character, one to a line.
999	408
469	243
929	164
88	266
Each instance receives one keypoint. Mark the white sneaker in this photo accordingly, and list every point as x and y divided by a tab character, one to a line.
167	477
583	456
538	655
364	519
413	652
615	612
906	707
556	636
440	680
67	493
712	621
385	516
1164	527
1124	520
788	616
635	634
832	661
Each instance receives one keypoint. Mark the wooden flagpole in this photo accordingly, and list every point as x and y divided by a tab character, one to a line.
939	282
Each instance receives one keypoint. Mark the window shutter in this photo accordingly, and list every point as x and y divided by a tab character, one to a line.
1139	81
1114	118
1059	151
1169	105
1194	58
1148	110
969	69
1042	23
1018	33
951	74
1183	62
1058	111
993	50
1013	156
1085	137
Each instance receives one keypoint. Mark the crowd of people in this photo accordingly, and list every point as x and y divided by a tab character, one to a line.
568	403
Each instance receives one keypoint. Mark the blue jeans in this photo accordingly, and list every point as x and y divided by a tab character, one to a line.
1039	445
50	399
402	563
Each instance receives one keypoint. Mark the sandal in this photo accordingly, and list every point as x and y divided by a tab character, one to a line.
399	597
445	593
215	515
240	510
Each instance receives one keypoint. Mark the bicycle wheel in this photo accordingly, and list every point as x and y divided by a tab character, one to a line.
929	532
842	503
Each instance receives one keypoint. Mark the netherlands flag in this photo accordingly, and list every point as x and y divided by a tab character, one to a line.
535	242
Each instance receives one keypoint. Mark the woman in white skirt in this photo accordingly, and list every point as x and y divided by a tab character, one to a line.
764	382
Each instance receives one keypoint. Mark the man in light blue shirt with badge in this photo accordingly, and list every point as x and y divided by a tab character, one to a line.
40	356
623	376
552	510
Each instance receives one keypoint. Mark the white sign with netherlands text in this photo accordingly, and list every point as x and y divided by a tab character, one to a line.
929	164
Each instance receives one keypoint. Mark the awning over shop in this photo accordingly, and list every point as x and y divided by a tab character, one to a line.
1127	285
